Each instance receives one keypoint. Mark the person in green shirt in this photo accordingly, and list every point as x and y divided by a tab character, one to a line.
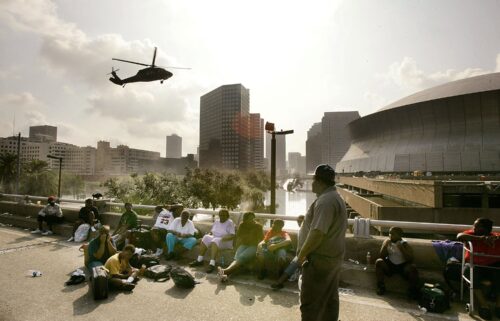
128	221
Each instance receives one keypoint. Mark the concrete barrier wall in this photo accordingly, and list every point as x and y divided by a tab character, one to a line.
356	248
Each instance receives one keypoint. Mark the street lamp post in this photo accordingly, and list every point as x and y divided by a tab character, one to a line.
270	129
60	168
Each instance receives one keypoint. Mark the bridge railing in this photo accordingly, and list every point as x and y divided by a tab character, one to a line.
414	226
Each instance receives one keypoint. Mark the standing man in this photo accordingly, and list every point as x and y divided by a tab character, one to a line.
322	245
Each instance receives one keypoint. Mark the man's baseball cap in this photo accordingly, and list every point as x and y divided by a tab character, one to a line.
325	173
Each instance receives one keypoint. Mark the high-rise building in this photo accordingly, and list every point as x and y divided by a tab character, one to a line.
280	153
313	147
256	142
335	135
44	133
296	163
174	146
224	128
122	159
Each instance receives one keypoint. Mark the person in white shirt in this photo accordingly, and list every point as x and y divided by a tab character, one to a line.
220	238
396	257
181	230
162	219
50	214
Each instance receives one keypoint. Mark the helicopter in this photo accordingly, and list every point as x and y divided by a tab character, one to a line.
151	73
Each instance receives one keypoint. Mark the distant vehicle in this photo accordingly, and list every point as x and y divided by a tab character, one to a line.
151	73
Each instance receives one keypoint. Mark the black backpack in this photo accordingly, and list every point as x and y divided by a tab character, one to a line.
434	298
159	273
182	278
147	259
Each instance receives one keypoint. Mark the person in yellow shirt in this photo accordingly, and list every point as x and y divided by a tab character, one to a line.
122	276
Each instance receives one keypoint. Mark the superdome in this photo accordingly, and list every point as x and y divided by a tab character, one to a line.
454	127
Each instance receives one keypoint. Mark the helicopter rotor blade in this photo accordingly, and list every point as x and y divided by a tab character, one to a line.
176	67
131	62
154	58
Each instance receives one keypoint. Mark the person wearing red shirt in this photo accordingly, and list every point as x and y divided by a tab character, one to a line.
484	241
272	250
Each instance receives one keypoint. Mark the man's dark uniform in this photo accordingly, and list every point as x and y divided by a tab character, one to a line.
320	276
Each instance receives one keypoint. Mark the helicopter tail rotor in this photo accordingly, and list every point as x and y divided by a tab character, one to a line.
113	70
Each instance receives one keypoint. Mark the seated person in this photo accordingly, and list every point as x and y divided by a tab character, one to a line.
181	230
50	214
486	242
396	256
292	268
87	215
248	236
272	250
162	219
220	238
127	221
99	249
122	276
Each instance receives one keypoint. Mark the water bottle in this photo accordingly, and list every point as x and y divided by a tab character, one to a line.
368	258
34	273
222	263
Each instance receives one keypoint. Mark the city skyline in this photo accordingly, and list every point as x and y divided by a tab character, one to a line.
339	57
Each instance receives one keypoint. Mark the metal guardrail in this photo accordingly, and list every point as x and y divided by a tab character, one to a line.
415	226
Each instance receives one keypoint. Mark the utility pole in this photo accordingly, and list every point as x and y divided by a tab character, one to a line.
270	129
18	174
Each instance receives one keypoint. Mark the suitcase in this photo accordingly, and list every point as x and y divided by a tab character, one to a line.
99	283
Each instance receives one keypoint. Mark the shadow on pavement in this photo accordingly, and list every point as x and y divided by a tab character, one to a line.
86	304
178	293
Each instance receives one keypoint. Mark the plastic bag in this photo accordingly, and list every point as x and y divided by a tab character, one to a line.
82	232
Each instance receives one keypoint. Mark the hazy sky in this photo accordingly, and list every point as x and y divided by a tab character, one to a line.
298	58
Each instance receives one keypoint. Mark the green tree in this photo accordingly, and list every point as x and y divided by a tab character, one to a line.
8	170
37	179
72	184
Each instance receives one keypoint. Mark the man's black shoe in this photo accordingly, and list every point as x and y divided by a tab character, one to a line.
277	286
210	268
196	263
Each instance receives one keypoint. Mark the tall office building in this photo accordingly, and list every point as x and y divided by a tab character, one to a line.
335	135
44	133
296	163
256	142
225	128
280	153
313	147
174	146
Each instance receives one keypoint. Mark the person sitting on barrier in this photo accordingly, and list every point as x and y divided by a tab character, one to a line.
487	273
162	220
99	249
87	215
50	214
181	230
220	238
292	268
396	257
248	236
272	250
122	276
128	221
